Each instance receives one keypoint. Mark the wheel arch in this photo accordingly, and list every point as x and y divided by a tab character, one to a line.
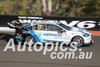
76	36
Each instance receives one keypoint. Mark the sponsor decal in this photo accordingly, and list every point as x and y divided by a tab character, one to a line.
80	24
50	34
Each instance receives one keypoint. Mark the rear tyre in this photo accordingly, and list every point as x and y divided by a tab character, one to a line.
30	40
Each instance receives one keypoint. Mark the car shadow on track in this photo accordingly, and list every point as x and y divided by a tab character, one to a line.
5	36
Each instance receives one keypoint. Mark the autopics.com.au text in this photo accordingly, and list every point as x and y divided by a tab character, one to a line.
63	53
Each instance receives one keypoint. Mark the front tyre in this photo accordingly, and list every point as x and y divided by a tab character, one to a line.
79	40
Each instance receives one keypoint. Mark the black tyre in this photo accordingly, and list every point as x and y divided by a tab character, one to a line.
79	40
30	40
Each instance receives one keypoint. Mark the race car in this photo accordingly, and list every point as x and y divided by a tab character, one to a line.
50	31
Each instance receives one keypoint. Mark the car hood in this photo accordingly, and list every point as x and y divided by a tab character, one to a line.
83	31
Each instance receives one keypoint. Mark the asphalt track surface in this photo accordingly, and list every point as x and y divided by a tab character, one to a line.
37	59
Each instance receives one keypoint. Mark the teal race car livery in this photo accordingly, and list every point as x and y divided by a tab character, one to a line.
50	31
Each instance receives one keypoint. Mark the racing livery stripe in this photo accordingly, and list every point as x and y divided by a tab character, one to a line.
34	35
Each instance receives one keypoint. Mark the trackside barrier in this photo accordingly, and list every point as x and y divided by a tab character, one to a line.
90	23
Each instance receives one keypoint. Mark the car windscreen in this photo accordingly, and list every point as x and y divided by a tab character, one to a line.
64	26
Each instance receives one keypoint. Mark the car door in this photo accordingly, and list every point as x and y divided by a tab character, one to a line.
58	33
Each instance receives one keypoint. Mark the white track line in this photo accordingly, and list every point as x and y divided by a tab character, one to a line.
2	36
6	29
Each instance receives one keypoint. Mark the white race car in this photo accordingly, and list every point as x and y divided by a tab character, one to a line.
50	31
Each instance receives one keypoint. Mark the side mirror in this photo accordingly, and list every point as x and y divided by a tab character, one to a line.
62	31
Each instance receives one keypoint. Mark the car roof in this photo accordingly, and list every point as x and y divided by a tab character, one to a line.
44	22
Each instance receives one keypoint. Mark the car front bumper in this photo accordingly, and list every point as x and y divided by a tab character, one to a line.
89	43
